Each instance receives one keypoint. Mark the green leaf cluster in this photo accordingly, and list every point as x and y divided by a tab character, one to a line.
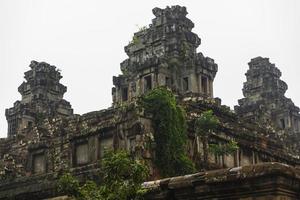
169	124
206	122
135	40
122	178
68	185
225	149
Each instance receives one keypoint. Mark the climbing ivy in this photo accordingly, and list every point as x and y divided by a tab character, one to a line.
170	137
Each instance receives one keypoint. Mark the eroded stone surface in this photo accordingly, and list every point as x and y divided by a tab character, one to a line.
266	104
165	54
261	181
47	139
42	96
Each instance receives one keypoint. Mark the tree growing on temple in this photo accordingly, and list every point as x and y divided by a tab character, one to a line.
204	126
121	178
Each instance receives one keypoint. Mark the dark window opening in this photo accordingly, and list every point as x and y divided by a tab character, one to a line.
147	83
168	82
185	84
296	125
42	82
29	124
125	94
81	154
39	163
204	84
104	145
282	123
12	126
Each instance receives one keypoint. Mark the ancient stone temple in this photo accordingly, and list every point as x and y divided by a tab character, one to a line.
265	101
45	139
165	54
42	96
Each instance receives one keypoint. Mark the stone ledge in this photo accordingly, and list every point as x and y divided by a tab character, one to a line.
265	180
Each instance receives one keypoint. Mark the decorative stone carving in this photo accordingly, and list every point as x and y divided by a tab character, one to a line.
166	50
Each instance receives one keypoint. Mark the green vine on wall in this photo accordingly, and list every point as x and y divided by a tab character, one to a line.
170	136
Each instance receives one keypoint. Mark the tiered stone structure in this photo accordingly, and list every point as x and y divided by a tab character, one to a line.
265	101
46	139
165	54
42	96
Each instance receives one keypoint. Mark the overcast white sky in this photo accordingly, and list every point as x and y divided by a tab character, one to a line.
85	39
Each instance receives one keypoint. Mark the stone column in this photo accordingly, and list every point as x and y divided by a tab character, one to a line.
193	83
210	85
200	83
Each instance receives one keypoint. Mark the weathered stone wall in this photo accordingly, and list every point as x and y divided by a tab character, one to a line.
266	103
76	144
259	182
42	97
257	143
37	153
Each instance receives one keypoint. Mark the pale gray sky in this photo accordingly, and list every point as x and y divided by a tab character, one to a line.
85	39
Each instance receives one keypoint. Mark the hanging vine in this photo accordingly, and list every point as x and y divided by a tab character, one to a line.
169	126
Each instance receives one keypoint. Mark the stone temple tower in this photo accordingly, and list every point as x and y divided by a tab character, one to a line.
164	54
42	96
265	101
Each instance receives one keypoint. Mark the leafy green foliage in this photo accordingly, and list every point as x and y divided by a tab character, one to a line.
69	185
225	149
206	122
122	178
135	40
143	28
169	126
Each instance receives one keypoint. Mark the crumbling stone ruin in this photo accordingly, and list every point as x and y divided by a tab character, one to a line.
265	102
262	181
45	138
165	54
42	96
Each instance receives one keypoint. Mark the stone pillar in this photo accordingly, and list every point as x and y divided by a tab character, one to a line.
205	85
210	85
199	83
161	80
140	87
193	83
238	158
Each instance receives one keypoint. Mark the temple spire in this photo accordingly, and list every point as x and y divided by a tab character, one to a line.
42	96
